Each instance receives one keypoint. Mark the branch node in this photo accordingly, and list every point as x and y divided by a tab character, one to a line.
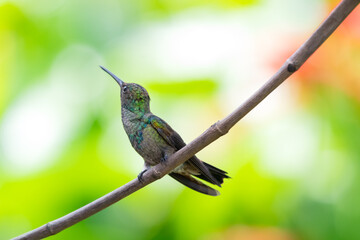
156	174
292	66
49	228
218	128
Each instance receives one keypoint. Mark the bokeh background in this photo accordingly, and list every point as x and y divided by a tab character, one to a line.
294	160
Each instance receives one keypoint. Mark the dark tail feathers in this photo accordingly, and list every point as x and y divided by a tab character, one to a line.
217	173
194	184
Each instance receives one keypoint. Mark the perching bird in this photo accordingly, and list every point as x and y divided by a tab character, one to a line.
156	141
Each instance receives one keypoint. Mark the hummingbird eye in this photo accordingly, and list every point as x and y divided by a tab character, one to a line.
124	88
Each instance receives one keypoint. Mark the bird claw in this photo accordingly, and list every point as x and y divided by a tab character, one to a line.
139	177
163	160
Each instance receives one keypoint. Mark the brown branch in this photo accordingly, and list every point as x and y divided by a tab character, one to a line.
214	132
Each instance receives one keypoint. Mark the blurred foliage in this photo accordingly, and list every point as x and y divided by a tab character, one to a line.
294	161
191	87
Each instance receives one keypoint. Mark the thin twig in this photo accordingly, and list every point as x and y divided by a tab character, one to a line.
214	132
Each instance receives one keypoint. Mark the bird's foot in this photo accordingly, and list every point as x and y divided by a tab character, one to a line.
139	177
163	159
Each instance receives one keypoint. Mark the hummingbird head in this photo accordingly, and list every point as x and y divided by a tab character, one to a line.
134	97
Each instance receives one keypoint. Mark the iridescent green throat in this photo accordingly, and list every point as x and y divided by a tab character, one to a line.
137	106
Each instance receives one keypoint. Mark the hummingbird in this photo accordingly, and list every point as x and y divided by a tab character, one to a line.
156	141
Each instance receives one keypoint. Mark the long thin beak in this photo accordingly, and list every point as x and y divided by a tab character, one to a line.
118	80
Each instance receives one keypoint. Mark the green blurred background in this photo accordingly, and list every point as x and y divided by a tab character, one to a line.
294	160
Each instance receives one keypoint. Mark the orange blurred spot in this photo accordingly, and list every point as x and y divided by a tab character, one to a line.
253	233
